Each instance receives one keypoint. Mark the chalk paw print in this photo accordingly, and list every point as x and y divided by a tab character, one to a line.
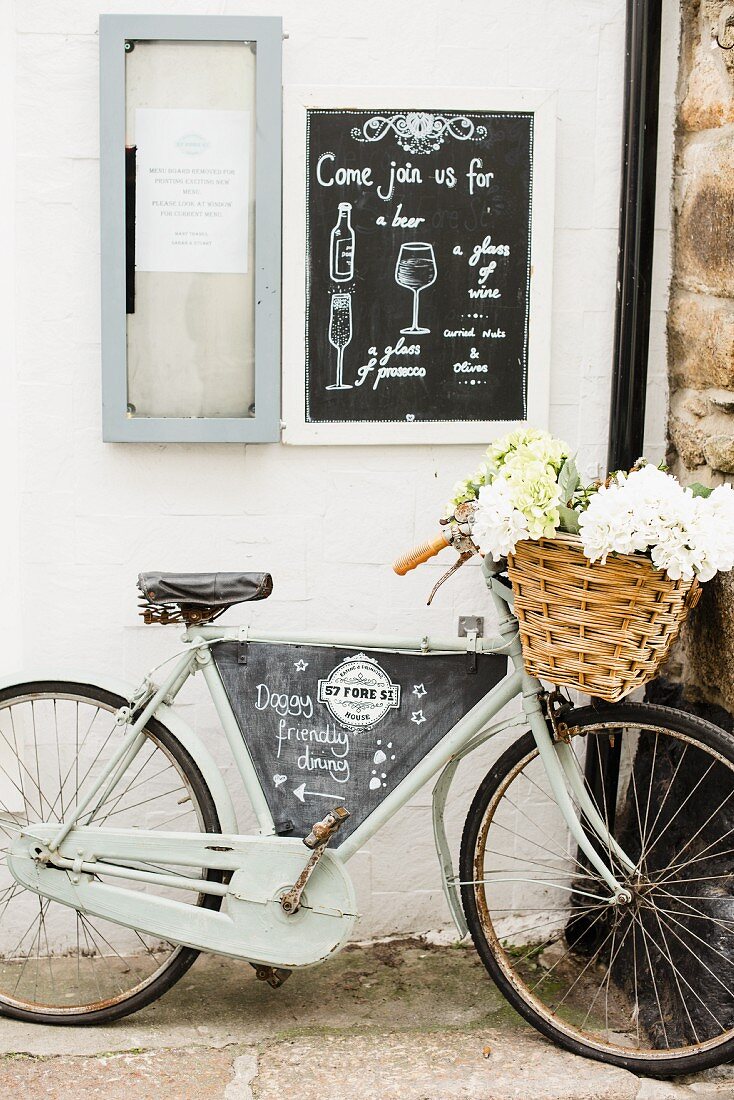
380	757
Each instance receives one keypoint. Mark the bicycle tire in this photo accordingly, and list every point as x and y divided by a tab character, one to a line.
497	958
181	958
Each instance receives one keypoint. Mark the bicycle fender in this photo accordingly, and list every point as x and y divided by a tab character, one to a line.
165	715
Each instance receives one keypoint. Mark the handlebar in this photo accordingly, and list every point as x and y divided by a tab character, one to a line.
424	552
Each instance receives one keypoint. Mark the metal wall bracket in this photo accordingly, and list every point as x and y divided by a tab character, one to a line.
469	623
471	627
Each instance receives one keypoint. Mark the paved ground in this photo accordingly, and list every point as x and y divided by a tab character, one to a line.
398	1019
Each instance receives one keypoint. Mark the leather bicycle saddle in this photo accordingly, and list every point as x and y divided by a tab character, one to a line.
206	590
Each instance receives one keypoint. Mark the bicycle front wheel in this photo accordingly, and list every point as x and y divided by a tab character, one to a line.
59	965
649	985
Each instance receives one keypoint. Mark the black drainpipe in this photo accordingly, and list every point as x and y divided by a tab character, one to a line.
636	233
634	286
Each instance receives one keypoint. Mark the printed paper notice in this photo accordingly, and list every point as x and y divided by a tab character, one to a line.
191	202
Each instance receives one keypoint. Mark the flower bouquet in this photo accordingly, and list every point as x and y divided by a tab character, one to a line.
604	573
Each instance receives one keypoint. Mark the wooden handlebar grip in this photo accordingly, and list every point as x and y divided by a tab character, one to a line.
419	554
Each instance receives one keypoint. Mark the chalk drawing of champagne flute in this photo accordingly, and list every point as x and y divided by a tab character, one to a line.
415	270
340	335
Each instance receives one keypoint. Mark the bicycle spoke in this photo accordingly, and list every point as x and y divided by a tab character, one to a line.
676	973
60	957
696	914
74	766
549	851
643	837
21	765
681	975
26	803
118	798
697	954
623	977
651	971
592	961
145	802
567	953
674	866
668	789
58	759
681	806
600	769
604	983
636	1012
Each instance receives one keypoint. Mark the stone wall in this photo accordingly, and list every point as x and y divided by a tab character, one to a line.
701	318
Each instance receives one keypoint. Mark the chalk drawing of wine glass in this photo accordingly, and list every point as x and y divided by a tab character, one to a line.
340	334
415	270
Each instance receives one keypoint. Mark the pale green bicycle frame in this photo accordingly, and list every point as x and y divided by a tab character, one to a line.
471	731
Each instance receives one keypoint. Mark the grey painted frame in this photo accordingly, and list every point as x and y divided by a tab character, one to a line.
266	31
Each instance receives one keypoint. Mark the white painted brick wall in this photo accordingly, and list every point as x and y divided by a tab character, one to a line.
325	522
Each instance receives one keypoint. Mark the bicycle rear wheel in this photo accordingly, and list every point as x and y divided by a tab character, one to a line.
58	965
650	985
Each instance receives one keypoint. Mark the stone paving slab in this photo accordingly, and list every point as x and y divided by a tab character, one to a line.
397	1019
435	1067
176	1074
219	1002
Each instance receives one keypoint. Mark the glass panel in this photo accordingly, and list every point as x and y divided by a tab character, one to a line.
190	140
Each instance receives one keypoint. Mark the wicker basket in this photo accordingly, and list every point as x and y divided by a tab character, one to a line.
603	629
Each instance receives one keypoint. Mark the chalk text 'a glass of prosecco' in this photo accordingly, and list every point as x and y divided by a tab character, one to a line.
379	367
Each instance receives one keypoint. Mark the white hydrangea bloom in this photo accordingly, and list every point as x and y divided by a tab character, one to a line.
530	442
515	508
649	511
498	525
646	511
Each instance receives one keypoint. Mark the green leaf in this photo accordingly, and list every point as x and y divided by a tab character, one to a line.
700	490
569	520
569	479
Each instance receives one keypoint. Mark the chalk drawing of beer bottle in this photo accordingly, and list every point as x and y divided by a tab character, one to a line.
341	256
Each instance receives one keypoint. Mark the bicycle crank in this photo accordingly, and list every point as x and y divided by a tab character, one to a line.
320	835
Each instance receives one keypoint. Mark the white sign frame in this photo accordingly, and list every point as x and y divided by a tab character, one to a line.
297	100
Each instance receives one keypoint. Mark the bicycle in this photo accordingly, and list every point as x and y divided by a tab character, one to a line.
598	917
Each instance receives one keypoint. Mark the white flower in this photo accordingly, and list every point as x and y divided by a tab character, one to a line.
528	443
648	511
514	508
520	497
498	525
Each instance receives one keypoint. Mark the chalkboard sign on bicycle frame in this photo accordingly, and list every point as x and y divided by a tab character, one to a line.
424	232
326	726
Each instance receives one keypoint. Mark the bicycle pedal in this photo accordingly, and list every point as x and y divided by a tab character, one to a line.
273	975
323	831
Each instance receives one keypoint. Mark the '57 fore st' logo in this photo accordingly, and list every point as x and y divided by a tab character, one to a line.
358	693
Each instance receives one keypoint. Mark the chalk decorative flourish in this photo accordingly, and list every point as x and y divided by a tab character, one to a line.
419	132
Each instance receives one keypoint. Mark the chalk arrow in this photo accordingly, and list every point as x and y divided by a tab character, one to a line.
301	792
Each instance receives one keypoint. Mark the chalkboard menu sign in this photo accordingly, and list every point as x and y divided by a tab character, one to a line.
327	726
419	250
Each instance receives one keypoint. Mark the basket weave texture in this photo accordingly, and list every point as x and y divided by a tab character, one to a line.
603	629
